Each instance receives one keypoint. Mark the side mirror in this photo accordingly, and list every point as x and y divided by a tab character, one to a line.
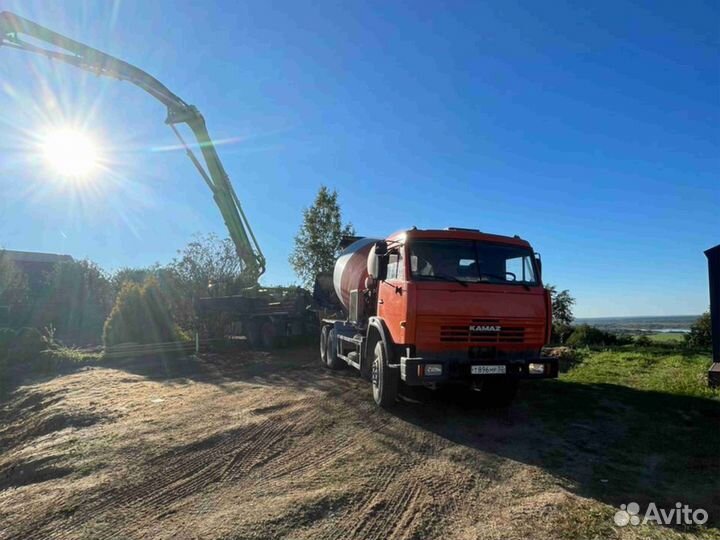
377	261
538	260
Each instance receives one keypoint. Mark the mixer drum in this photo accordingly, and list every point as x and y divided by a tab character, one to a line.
351	269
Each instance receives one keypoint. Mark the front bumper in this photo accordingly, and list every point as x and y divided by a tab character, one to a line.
423	370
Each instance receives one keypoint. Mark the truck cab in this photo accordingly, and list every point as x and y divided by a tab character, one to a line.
453	306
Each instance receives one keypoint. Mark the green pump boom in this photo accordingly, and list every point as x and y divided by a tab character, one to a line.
79	55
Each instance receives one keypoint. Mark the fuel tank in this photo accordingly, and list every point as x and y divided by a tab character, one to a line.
351	269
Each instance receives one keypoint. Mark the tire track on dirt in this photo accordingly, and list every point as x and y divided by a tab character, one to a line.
216	459
227	457
348	521
295	457
385	511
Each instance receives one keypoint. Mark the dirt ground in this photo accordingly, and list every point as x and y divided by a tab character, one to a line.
253	445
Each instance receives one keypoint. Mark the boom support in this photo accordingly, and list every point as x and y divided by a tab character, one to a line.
178	112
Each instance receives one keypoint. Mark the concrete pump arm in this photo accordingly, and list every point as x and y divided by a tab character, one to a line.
13	26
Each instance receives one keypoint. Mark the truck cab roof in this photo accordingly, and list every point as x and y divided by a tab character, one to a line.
458	233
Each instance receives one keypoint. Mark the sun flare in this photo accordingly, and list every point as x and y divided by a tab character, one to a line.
70	152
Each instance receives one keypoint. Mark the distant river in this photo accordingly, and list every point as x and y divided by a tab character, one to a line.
664	324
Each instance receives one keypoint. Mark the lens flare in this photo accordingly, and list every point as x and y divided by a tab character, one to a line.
70	152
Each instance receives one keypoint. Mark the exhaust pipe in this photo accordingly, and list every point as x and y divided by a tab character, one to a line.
713	255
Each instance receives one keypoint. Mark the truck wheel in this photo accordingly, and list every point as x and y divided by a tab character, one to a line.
331	359
323	344
498	392
384	380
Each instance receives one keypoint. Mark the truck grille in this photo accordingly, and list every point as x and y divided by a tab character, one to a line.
505	332
482	331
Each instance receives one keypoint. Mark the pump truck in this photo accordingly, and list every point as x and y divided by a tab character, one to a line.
437	307
265	314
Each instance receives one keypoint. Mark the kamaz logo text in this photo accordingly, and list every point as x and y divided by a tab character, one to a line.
482	328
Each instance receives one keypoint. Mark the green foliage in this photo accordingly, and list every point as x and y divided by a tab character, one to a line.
700	335
28	344
316	244
132	275
78	299
661	369
562	305
13	286
7	336
643	341
590	336
562	312
667	338
62	357
23	344
207	266
140	315
21	349
620	406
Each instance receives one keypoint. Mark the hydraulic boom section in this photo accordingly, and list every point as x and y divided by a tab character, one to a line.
12	27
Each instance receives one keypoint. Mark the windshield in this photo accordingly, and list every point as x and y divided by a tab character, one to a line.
471	261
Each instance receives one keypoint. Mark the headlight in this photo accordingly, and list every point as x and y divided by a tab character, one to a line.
536	369
433	370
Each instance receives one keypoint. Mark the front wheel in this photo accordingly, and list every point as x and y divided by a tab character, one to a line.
384	379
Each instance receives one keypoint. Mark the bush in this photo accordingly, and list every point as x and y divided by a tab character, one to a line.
586	335
28	344
7	336
76	301
643	341
560	333
140	315
700	335
24	348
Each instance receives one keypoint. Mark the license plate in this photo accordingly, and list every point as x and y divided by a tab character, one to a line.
487	370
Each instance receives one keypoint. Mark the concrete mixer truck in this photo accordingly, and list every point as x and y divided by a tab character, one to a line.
438	307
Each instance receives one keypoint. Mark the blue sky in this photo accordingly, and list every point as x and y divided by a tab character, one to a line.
589	128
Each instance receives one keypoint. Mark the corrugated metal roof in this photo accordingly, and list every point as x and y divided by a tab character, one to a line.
33	256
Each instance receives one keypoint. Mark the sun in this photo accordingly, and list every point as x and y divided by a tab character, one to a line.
70	152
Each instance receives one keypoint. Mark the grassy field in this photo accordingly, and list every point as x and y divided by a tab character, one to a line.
647	425
671	370
668	337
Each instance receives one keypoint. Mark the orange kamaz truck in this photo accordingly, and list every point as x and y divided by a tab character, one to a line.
437	307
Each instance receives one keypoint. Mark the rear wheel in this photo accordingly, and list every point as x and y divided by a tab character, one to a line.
323	344
331	359
385	380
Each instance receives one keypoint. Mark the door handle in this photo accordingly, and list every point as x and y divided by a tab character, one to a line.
381	301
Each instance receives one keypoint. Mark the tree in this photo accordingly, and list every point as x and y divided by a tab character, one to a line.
131	275
141	314
586	335
78	299
316	244
700	335
13	281
209	265
562	312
